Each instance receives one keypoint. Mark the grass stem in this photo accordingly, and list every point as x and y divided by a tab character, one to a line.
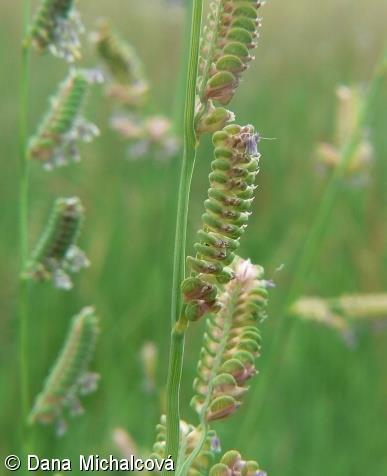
188	163
23	227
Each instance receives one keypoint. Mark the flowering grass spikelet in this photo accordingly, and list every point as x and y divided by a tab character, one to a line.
329	156
231	344
229	36
56	253
69	378
127	82
56	28
189	436
55	142
343	311
232	464
230	196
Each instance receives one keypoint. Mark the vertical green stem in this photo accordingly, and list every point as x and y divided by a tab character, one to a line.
188	162
179	325
173	391
23	225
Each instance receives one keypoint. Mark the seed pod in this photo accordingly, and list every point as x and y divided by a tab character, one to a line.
232	31
227	210
56	252
231	344
69	378
56	27
55	142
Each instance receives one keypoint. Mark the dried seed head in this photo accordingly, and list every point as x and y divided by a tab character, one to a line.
56	253
69	378
226	214
55	142
57	27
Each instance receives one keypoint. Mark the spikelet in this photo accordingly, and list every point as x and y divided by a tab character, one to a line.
69	378
189	437
55	142
231	344
329	156
232	464
230	34
127	83
56	253
56	28
227	211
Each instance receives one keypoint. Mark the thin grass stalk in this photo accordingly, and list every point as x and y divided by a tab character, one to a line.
312	244
188	163
324	214
23	303
189	155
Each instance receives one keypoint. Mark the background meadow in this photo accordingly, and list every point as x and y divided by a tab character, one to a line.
319	406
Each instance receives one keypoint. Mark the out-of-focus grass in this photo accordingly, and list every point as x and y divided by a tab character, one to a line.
326	411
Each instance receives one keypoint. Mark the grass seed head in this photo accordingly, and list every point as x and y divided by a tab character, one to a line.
57	27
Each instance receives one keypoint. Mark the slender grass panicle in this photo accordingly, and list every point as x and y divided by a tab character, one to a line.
69	378
129	89
349	105
231	344
56	253
63	127
342	312
232	464
228	206
189	436
57	28
127	83
230	34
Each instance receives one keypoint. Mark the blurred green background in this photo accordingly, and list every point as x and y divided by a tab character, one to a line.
323	408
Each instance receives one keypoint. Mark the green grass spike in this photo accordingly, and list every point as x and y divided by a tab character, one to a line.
55	142
56	27
227	210
69	378
56	252
231	344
